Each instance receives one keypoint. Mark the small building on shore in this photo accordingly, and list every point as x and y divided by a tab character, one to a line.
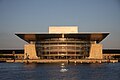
8	54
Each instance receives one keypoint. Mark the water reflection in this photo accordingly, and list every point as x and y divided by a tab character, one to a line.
18	71
30	66
63	68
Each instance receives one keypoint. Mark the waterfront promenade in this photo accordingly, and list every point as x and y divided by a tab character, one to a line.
63	60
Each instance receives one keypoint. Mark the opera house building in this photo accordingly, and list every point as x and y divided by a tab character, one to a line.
63	42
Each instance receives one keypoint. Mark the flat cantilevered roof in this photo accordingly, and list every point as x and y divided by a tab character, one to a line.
86	36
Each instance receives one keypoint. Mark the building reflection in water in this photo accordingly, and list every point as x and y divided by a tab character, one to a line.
64	71
30	66
63	68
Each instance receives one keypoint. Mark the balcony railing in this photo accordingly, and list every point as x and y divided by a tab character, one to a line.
63	42
59	45
60	55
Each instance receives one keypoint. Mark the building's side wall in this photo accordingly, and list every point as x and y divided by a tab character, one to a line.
96	51
30	51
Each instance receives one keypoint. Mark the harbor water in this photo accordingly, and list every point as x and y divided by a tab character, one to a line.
59	71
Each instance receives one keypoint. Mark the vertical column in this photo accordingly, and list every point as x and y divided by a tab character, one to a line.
48	52
75	50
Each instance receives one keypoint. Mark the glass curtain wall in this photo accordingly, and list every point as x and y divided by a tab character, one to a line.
63	48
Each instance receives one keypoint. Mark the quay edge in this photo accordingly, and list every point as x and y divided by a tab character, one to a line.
61	61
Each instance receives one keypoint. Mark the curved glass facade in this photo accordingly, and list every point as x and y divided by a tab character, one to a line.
63	48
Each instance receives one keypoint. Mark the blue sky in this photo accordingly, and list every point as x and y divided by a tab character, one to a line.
38	15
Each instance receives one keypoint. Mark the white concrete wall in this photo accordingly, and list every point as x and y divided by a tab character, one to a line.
30	50
63	29
96	51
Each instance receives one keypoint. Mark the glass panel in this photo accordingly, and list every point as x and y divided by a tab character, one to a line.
63	47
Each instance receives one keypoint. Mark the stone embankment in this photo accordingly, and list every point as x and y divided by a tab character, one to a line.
62	60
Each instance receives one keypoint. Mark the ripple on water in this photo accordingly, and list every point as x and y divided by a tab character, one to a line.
19	71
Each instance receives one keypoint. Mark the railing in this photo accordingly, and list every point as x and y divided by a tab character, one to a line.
60	55
59	50
60	45
63	42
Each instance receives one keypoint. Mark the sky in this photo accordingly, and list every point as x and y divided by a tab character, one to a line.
38	15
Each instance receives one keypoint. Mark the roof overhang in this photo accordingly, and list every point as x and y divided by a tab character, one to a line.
88	36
